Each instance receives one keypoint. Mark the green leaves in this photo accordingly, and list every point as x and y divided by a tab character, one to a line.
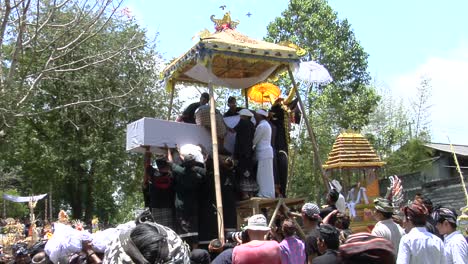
69	137
343	104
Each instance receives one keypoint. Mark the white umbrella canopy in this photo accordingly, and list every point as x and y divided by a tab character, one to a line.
311	72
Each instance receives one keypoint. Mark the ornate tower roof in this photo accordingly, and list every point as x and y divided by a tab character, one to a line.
351	150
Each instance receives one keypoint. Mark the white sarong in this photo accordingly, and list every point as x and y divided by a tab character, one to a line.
265	180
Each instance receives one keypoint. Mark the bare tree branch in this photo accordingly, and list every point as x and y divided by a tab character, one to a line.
77	103
19	42
4	23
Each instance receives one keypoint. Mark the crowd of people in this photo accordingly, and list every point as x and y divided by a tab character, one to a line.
416	234
176	182
261	143
181	220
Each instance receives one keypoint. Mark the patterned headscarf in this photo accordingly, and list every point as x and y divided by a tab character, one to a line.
311	210
122	249
366	248
443	214
415	210
383	205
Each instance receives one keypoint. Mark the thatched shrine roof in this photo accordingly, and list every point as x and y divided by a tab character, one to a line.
352	151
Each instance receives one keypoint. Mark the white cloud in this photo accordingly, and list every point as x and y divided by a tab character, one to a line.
449	80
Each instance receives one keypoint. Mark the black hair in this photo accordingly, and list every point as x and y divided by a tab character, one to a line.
288	228
386	215
151	243
333	195
418	221
345	221
200	256
330	235
206	96
231	99
453	225
162	163
426	201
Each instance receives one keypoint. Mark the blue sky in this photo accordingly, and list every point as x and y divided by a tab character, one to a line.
405	41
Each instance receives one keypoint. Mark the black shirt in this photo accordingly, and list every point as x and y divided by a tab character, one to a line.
224	258
186	185
232	113
188	116
311	247
325	211
245	131
161	190
330	257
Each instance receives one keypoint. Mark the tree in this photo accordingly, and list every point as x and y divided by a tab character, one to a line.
389	125
69	131
390	132
343	104
41	40
315	27
421	110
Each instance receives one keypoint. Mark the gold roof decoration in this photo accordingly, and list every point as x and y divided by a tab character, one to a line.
351	150
224	23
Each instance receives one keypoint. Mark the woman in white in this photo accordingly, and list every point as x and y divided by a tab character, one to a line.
264	155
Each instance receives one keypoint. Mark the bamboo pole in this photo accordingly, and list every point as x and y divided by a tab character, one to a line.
214	139
50	205
171	102
311	132
246	98
275	213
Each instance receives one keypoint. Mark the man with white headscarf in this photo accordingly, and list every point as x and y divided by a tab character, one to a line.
264	155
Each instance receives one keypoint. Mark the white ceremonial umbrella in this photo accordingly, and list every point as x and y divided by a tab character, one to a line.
310	72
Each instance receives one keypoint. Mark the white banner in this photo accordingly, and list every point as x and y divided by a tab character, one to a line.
23	199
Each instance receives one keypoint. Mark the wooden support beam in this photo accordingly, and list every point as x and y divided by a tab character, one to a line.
310	131
217	178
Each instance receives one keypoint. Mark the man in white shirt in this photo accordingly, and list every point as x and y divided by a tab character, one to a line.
264	155
419	246
456	247
386	228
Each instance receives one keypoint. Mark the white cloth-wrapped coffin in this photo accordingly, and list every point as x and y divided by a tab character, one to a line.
155	133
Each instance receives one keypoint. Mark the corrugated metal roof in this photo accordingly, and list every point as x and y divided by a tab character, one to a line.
458	149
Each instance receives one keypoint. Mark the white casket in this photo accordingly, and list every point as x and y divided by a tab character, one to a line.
156	133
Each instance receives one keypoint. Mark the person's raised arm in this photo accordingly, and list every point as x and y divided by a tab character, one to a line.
327	218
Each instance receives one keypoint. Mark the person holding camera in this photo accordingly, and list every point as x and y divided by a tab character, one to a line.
253	247
257	250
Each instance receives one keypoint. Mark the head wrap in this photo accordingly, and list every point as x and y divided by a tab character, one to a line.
262	112
415	210
366	248
443	214
311	210
245	112
383	205
122	250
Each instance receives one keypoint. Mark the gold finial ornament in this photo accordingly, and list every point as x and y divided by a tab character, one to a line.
225	23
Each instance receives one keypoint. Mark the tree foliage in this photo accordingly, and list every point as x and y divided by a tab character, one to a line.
315	27
88	71
389	125
421	109
343	104
391	131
